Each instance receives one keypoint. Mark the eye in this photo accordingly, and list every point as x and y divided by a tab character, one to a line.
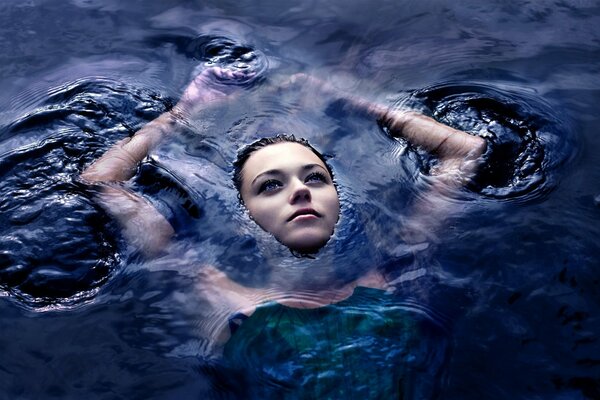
269	186
316	177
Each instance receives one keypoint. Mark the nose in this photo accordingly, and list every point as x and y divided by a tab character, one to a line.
300	193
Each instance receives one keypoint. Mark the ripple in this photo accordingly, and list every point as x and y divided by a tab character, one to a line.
57	247
526	140
227	53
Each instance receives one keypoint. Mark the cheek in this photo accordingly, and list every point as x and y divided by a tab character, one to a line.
335	199
336	215
332	203
263	213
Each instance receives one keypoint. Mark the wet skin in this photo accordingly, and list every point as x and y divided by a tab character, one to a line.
289	193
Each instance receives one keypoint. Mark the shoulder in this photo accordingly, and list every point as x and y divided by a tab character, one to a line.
226	305
373	279
224	293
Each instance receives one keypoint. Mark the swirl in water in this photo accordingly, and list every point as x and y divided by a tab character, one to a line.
219	51
57	246
526	141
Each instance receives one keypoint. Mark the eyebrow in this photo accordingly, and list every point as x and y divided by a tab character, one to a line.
278	171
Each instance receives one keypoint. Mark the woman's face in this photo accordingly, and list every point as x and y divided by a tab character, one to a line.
289	193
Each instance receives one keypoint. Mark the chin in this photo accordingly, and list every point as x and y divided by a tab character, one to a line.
307	246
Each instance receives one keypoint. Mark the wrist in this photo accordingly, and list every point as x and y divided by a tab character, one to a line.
180	112
397	119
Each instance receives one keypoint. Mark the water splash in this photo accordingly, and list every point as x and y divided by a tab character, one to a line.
227	53
527	142
57	247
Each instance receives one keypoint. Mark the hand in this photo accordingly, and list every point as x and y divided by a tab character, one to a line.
212	84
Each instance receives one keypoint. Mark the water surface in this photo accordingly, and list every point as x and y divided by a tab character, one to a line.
81	317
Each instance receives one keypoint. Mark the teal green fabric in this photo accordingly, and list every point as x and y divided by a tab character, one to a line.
369	346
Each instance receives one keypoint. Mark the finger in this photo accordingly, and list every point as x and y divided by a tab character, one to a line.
244	74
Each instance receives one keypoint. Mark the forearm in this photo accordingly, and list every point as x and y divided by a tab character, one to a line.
120	162
422	131
441	140
142	225
150	135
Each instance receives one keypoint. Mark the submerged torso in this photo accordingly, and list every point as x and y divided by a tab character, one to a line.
370	345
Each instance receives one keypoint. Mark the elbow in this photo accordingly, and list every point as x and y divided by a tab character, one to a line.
157	243
149	233
478	147
461	146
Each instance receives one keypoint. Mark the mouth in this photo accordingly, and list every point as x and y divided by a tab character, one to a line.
304	212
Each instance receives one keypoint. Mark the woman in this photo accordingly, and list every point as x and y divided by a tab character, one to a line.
303	341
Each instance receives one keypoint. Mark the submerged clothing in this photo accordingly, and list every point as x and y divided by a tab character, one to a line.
369	346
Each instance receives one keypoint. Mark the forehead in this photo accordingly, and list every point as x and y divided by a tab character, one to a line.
279	156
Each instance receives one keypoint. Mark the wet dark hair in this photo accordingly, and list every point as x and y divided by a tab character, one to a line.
245	153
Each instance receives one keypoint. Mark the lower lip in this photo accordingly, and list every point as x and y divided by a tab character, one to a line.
305	217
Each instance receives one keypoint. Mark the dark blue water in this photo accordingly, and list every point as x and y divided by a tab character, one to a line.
81	316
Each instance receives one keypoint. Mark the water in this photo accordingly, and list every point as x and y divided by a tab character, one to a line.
81	317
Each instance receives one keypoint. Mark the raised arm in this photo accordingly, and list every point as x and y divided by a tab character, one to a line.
456	150
458	155
142	225
120	162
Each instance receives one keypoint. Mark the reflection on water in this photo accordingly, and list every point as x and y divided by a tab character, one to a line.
516	272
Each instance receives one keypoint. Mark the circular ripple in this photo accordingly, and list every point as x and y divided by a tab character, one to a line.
57	247
226	53
526	141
